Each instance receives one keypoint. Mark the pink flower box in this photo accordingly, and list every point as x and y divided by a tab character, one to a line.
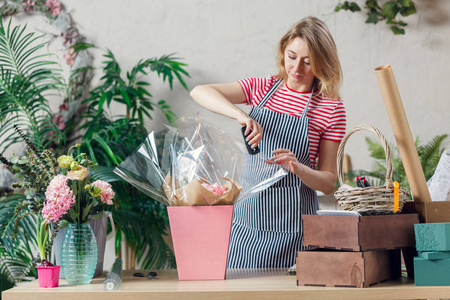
48	276
201	235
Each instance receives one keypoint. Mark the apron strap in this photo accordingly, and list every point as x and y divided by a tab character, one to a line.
307	104
272	91
269	93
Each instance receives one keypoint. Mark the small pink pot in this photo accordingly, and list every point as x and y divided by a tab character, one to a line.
48	276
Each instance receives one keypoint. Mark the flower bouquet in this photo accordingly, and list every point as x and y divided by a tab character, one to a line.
197	171
59	192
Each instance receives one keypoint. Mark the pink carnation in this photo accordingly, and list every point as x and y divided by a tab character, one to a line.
60	199
215	188
107	191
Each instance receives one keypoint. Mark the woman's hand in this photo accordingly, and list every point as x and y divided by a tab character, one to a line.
288	160
254	127
324	178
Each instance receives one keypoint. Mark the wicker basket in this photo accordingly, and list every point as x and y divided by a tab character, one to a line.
374	199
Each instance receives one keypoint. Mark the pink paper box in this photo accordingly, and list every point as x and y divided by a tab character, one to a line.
201	235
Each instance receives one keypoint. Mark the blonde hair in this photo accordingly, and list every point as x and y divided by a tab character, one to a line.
322	54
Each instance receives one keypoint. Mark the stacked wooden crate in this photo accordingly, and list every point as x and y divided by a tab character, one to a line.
432	265
352	251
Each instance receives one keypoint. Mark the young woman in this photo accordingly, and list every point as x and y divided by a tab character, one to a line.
297	118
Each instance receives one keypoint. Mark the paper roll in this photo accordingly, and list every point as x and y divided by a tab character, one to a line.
402	133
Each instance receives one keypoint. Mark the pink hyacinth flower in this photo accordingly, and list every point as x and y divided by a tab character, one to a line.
60	199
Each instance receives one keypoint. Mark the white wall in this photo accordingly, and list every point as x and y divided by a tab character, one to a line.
223	41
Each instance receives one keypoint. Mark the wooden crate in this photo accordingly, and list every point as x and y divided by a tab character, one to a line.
429	212
347	269
364	233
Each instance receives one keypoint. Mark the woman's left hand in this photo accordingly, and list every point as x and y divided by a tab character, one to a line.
288	159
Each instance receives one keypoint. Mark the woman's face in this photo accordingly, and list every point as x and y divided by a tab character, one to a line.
297	66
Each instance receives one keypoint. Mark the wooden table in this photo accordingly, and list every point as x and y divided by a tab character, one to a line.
245	284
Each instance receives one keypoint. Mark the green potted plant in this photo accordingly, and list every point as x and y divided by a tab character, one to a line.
429	155
26	79
140	221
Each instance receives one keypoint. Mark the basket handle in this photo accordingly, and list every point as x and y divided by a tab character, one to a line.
340	153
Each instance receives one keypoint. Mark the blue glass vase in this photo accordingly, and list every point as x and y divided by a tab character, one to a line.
79	254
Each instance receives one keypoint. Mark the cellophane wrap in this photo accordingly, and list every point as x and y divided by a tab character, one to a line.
196	164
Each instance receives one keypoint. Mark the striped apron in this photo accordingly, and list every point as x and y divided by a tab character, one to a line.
267	227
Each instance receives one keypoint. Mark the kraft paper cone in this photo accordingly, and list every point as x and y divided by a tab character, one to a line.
195	194
402	133
191	194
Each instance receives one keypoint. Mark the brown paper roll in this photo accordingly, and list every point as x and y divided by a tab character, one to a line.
402	133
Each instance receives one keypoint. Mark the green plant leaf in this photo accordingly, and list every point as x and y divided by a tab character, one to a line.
390	9
86	212
372	18
82	46
397	30
26	77
98	216
100	103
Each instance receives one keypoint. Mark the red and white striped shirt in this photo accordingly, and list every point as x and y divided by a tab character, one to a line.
327	119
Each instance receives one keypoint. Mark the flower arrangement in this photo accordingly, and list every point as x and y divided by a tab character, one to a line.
59	191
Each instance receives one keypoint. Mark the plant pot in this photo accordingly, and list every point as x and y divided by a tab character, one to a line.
79	254
48	276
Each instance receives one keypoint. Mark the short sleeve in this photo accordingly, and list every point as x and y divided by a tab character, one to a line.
248	85
337	124
255	88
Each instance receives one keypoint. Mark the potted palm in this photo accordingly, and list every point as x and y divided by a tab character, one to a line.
429	155
26	79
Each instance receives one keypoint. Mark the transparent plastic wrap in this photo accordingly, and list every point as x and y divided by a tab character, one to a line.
199	165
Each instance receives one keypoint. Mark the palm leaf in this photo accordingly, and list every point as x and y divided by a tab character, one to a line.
167	66
15	254
105	174
430	154
26	79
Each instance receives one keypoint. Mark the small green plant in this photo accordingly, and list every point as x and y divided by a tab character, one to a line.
429	155
389	11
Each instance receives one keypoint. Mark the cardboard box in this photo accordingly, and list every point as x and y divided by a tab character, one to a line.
429	272
201	235
359	233
347	269
429	212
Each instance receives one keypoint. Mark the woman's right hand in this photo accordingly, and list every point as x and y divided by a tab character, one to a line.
253	127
